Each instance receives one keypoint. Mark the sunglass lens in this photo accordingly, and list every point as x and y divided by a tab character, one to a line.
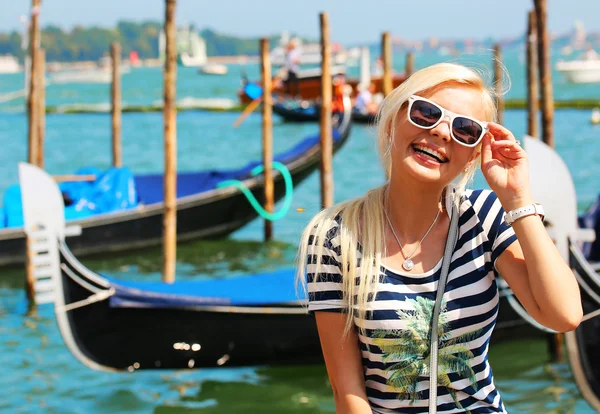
466	130
424	113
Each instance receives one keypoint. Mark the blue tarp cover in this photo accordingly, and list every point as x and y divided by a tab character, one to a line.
253	90
112	190
252	290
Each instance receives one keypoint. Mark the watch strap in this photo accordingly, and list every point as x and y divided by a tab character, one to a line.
529	210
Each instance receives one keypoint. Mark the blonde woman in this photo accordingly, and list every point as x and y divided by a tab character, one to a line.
371	265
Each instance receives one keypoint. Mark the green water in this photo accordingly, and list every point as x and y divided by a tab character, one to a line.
37	373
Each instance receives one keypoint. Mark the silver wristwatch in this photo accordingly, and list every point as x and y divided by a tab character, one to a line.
511	216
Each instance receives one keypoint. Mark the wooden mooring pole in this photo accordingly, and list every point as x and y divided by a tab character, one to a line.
555	341
267	133
170	141
533	105
498	81
33	98
33	123
41	101
543	41
326	167
386	52
409	68
115	109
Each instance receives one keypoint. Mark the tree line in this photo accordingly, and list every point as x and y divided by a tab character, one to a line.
91	43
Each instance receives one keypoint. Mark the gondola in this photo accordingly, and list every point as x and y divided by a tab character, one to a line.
305	111
309	86
583	344
115	325
204	210
553	186
297	111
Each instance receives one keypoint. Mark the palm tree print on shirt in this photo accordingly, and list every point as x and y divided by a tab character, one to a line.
408	350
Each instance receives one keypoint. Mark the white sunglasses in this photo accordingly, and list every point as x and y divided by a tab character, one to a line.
426	114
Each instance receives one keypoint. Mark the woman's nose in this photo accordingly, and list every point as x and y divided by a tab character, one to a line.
442	130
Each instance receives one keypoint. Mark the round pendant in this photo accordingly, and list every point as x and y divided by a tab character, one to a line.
408	265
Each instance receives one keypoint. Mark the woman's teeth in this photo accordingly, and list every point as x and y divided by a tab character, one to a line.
430	152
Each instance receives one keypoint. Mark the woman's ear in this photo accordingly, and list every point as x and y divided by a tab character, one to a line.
476	154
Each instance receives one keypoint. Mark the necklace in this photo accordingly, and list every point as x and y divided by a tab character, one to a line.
408	263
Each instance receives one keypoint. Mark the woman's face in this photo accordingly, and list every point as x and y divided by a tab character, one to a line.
410	142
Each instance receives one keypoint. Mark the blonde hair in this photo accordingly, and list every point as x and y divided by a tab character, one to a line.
361	220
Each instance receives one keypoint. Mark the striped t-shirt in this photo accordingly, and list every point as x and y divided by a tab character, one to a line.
396	361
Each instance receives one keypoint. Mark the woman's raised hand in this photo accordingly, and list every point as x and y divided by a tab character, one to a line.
505	167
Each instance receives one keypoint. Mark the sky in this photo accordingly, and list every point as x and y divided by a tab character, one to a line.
351	21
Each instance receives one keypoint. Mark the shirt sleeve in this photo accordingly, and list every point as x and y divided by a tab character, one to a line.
499	234
325	289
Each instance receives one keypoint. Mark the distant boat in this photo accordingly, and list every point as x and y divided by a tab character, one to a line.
583	70
311	53
9	64
595	119
102	73
213	69
309	83
82	76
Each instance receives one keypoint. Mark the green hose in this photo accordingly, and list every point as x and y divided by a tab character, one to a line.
287	199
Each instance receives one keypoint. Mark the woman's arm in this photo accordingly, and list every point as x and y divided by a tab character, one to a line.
532	266
344	363
540	278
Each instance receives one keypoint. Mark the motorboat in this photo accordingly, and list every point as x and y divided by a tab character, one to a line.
583	70
212	69
9	64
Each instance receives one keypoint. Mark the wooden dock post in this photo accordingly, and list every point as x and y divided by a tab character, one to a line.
555	341
533	105
41	124
498	81
326	167
410	64
33	98
115	110
386	52
33	110
267	133
170	138
543	41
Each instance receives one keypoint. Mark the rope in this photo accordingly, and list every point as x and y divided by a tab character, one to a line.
96	297
591	315
289	190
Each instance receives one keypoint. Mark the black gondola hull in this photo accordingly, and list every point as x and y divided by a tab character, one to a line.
584	342
153	337
118	338
301	116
